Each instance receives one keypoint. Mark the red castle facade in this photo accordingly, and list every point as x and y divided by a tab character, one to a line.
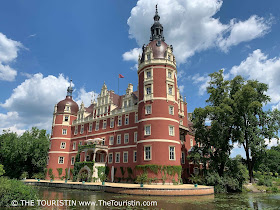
148	126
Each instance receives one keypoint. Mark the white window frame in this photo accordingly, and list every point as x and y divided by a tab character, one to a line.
169	74
63	145
48	160
111	122
82	129
148	90
90	127
148	109
126	119
170	153
60	159
111	140
119	121
135	156
74	146
97	125
126	138
145	131
191	142
110	160
125	152
119	139
170	87
148	74
117	154
171	110
136	117
171	130
80	142
146	146
64	133
72	160
76	130
66	117
104	124
135	136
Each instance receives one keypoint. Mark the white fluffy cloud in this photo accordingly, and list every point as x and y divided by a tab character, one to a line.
201	82
258	66
190	27
132	55
8	53
32	102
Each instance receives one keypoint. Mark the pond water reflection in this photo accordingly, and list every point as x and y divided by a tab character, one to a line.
221	201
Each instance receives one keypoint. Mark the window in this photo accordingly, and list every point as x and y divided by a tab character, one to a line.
126	120
60	160
117	160
169	74
191	142
148	90
50	145
111	140
171	153
171	110
149	56
125	104
90	127
171	130
183	158
169	57
74	145
105	110
62	145
98	112
104	124
76	130
66	118
97	126
147	153
64	131
112	123
103	141
147	130
72	160
129	103
82	129
80	143
120	121
148	109
134	156
110	158
119	139
135	136
136	117
148	74
170	89
125	157
126	138
48	160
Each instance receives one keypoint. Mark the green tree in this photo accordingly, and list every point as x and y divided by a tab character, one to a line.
252	124
24	153
219	113
2	171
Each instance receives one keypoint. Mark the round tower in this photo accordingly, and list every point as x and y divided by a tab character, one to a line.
158	130
64	114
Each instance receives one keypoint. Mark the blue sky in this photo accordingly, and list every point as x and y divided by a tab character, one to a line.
45	43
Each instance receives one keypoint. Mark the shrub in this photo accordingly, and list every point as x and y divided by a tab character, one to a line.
142	178
2	171
24	175
39	176
12	189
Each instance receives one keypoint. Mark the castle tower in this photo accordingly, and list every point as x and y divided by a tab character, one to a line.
64	114
158	130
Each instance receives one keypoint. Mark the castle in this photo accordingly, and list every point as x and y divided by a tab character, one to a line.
145	127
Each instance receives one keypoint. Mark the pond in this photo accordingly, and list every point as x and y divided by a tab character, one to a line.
101	200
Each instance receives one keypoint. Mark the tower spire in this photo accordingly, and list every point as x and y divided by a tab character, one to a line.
70	89
157	29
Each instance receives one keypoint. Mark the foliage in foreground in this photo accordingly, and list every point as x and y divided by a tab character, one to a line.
12	189
26	153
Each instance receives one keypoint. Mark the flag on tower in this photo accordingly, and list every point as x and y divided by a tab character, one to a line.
121	76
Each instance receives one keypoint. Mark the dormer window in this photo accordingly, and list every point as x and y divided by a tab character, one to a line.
169	57
125	104
149	56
